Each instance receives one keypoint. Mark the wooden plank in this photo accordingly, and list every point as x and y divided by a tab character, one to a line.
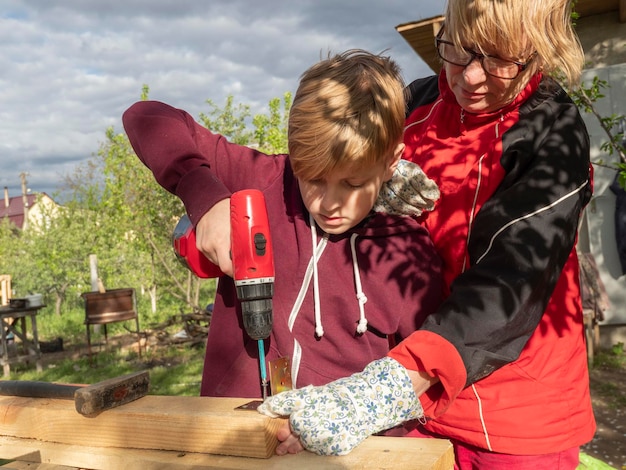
187	424
383	453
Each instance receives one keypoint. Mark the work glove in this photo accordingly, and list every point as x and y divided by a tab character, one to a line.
333	419
408	192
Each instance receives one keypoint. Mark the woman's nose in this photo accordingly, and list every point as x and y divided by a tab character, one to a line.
474	72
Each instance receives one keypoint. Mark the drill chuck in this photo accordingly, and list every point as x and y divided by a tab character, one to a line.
256	308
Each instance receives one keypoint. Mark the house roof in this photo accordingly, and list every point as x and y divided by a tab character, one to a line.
421	34
421	37
15	209
599	7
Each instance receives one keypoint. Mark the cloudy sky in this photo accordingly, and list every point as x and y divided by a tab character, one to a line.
69	68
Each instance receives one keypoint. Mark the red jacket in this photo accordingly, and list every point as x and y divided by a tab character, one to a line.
508	341
391	258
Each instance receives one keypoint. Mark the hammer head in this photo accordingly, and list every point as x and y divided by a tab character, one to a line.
101	396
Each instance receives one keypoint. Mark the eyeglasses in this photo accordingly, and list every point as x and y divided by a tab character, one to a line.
494	66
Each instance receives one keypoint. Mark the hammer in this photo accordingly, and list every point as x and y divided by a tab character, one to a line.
89	399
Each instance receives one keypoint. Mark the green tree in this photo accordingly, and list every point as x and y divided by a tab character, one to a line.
229	121
56	248
271	130
10	247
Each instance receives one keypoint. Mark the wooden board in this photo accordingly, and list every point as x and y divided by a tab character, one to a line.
188	424
162	432
381	453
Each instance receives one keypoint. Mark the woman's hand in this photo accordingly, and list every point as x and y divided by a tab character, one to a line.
213	236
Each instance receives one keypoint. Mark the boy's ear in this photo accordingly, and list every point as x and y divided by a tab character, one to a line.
393	162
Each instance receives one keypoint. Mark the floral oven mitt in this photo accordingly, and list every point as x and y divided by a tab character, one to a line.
408	192
333	419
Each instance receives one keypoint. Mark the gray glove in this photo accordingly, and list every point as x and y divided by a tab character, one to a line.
408	192
333	419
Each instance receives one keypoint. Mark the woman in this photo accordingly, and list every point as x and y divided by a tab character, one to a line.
500	368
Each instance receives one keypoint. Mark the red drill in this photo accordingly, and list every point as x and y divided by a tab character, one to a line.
253	263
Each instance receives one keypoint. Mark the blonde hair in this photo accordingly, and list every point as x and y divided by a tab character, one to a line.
349	109
517	29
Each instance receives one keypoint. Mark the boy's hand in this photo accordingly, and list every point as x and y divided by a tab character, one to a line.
408	192
213	236
335	418
288	442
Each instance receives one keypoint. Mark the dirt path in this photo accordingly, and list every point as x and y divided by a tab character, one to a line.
608	395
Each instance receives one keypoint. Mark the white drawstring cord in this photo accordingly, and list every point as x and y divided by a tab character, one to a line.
361	297
319	330
295	310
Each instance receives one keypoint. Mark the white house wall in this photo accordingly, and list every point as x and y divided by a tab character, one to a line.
598	231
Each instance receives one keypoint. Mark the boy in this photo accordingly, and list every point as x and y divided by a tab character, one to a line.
345	140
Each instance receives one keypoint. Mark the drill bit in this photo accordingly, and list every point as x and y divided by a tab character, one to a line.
264	382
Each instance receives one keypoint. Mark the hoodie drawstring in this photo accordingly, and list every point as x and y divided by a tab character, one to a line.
318	249
361	297
319	330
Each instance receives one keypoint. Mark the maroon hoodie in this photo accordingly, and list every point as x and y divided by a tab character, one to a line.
388	262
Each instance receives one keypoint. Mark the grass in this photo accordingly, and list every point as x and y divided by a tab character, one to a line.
611	359
174	370
68	326
614	358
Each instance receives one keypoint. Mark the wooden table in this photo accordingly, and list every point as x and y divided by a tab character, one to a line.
183	433
380	453
26	347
